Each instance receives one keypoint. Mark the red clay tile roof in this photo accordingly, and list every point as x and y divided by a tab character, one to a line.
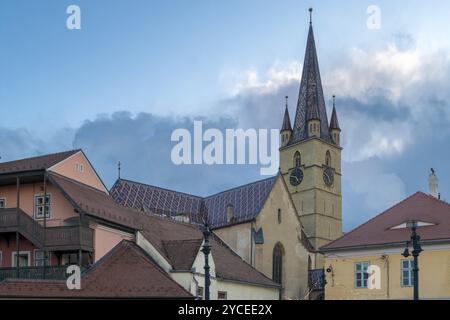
178	242
378	231
35	163
125	272
94	202
182	253
160	231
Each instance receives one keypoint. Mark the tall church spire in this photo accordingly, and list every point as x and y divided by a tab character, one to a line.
311	102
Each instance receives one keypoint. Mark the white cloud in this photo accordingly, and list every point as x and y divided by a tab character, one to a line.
269	81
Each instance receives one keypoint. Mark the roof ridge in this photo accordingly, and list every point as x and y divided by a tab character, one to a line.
433	198
147	258
43	155
371	219
185	240
78	182
153	186
242	186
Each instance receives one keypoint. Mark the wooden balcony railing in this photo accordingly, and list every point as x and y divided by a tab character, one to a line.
51	238
51	272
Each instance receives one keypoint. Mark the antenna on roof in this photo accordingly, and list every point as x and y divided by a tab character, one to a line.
310	15
118	168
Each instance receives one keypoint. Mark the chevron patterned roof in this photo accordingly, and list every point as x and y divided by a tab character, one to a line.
247	201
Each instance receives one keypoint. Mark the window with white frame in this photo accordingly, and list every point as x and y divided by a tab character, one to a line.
2	203
39	207
24	259
39	258
407	273
361	274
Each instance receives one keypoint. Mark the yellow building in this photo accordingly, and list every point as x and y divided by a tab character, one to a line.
367	262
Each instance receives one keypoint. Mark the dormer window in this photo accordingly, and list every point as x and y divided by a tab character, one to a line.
406	225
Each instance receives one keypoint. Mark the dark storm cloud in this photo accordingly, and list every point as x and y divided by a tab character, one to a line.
143	145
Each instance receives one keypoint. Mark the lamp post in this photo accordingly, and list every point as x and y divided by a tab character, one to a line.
417	249
206	249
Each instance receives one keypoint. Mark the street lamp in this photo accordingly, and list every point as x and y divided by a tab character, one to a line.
206	249
417	249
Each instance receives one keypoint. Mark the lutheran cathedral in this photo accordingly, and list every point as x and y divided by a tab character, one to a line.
310	156
278	224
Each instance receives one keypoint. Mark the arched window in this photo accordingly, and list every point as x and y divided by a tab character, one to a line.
328	159
297	159
277	262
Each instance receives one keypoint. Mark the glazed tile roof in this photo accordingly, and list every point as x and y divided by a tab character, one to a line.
311	102
247	201
286	121
381	230
35	163
125	272
178	242
334	123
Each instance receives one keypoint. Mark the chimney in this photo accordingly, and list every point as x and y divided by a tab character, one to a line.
433	184
230	213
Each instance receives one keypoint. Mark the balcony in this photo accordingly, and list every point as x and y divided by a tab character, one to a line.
316	279
50	272
51	238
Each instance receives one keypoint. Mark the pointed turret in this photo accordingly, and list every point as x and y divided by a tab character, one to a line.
286	128
311	102
335	130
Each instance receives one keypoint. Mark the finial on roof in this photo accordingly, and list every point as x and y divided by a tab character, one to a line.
310	15
118	168
286	119
334	100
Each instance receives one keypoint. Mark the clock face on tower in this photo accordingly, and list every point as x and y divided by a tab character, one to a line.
296	177
328	176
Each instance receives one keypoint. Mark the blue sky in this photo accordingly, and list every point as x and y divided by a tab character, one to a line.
140	65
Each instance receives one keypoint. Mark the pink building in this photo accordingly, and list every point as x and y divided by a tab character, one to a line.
55	211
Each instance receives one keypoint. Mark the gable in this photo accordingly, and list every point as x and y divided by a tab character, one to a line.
77	167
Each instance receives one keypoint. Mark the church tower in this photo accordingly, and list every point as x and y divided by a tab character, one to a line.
310	156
